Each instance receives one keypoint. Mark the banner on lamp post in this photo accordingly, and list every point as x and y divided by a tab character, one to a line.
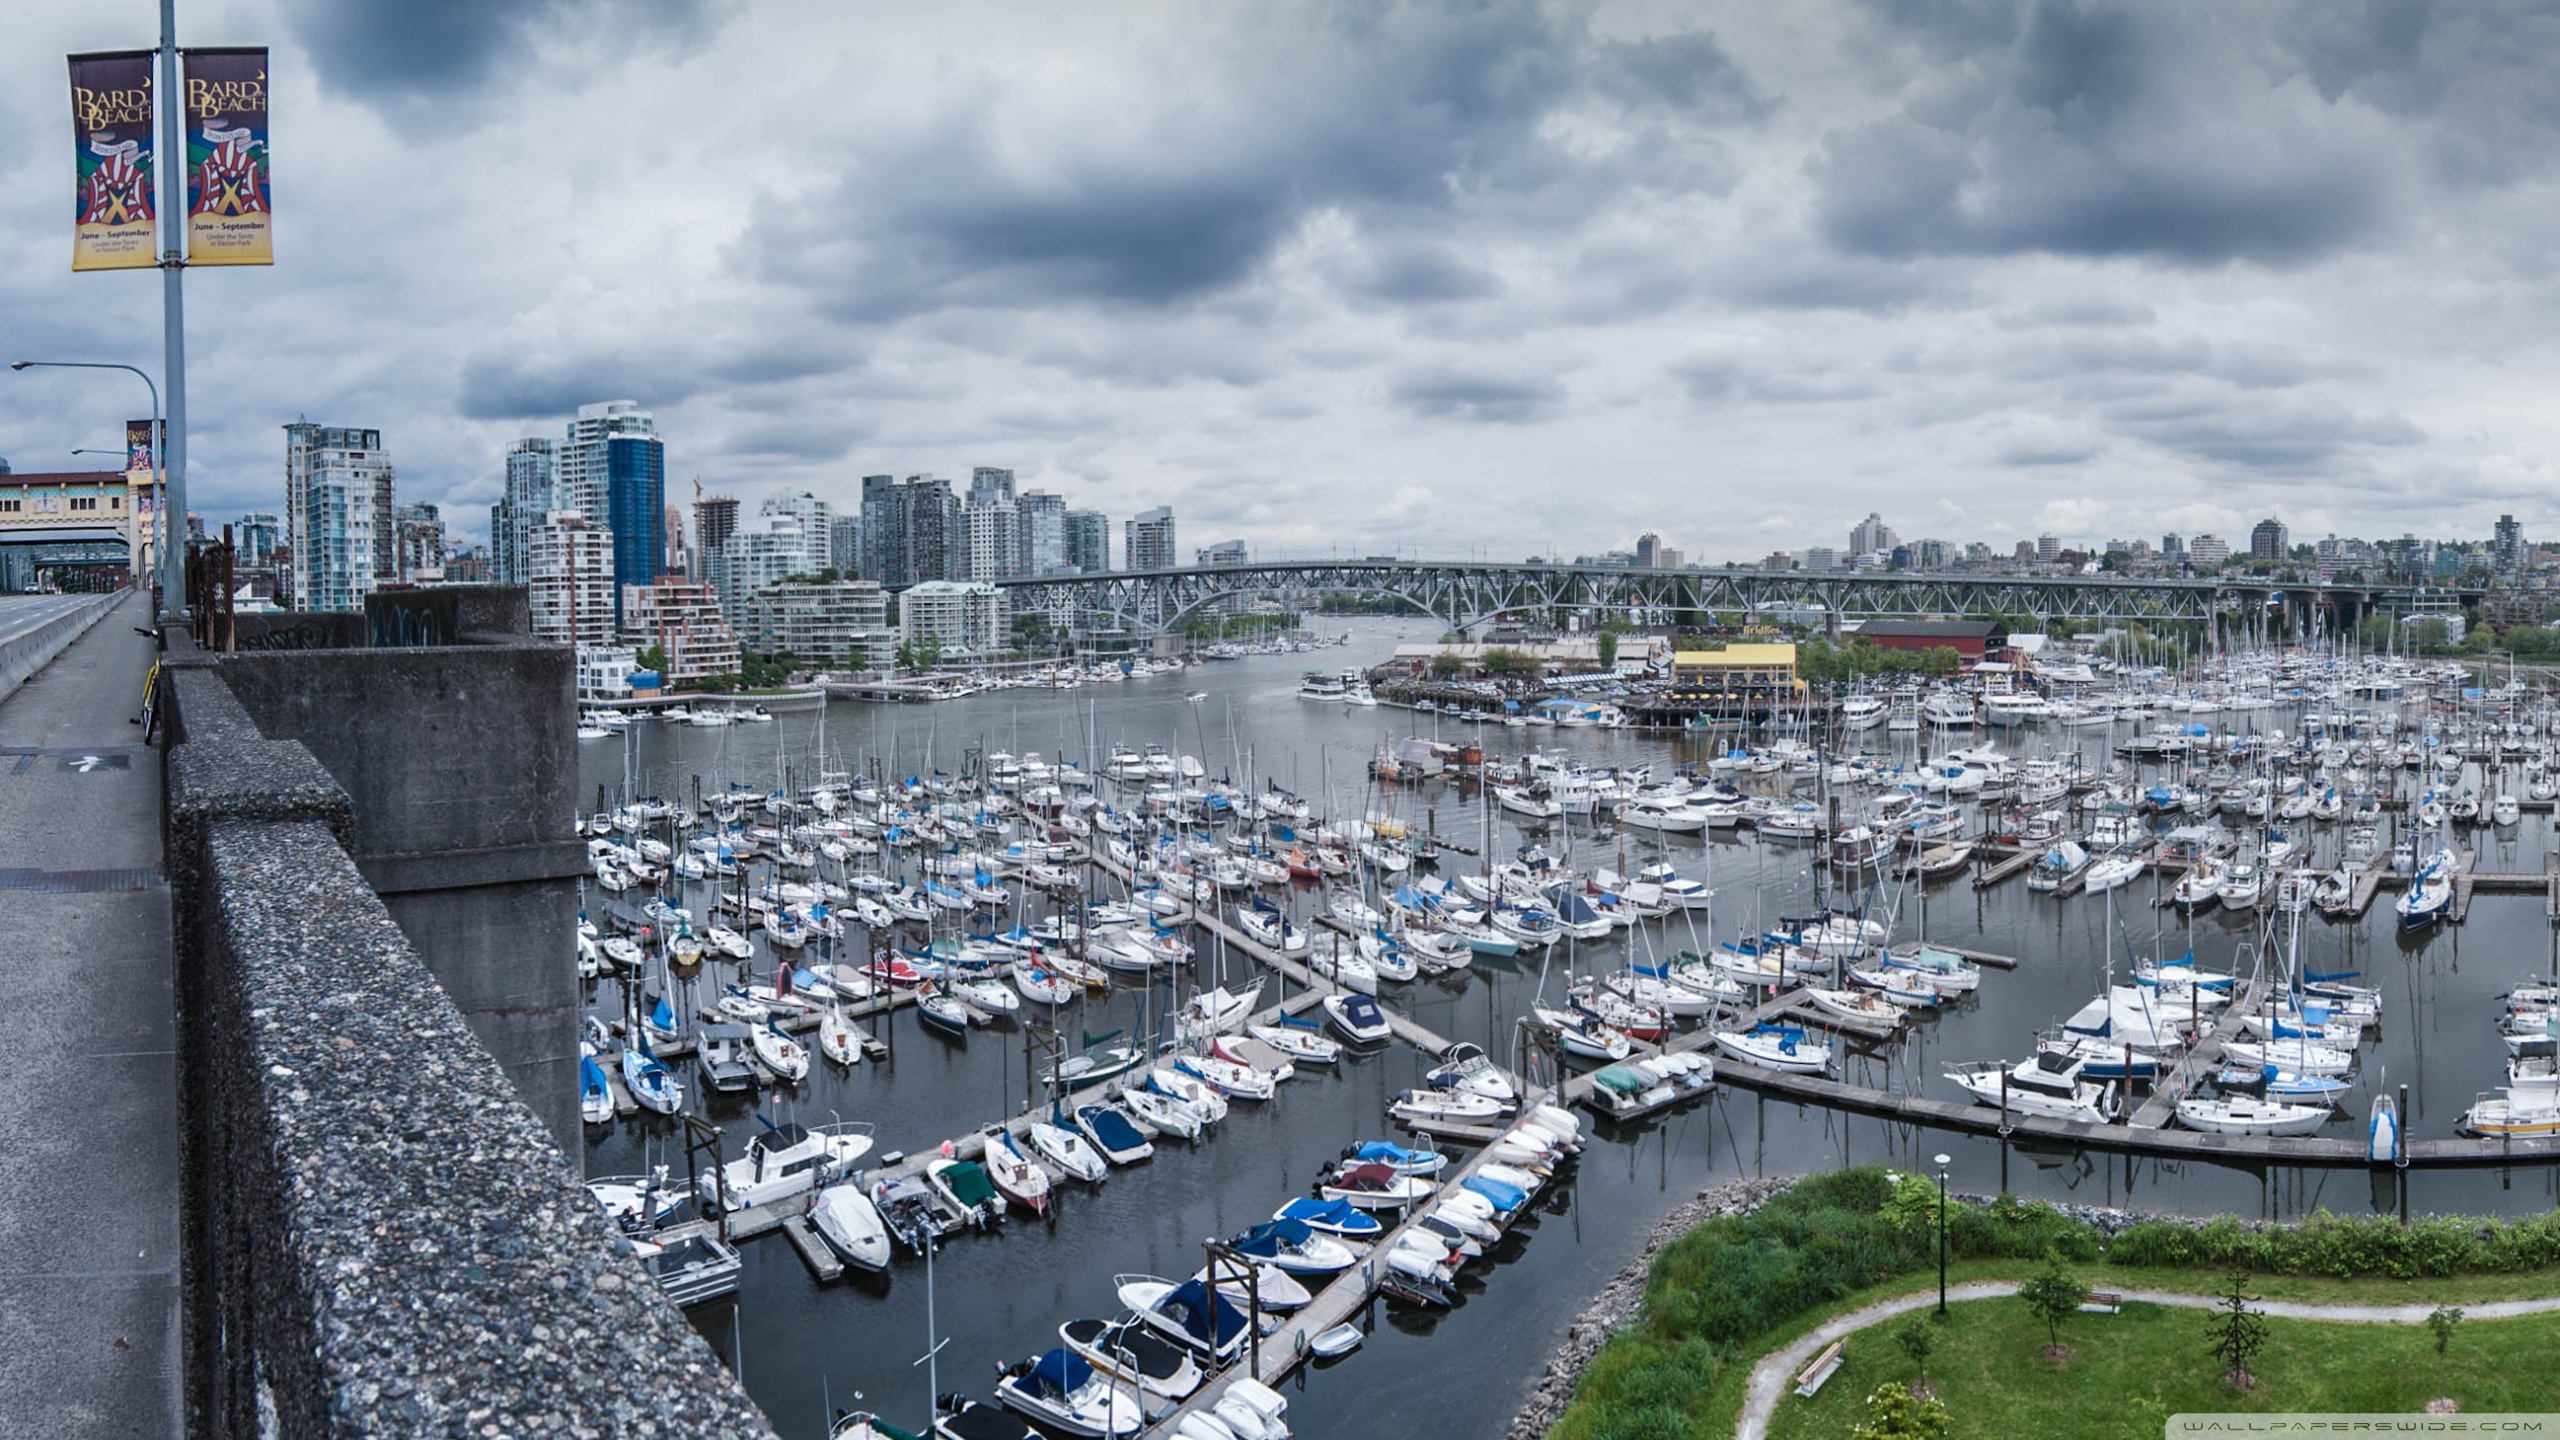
229	204
139	452
111	127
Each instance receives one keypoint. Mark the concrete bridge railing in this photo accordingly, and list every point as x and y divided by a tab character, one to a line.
381	1237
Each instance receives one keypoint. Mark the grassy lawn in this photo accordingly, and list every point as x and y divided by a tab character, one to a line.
2128	1373
1644	1387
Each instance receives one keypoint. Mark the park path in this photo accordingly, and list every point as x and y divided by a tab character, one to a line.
1774	1376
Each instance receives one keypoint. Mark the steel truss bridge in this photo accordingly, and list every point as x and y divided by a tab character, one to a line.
1467	595
25	552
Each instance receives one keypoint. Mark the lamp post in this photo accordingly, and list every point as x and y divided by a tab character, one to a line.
1942	1237
172	578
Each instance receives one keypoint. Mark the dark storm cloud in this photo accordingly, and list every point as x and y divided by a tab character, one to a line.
2104	129
1459	394
2477	76
2286	437
1416	272
407	50
1404	115
510	387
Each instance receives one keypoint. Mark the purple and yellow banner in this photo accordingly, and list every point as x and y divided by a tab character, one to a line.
111	125
229	206
139	453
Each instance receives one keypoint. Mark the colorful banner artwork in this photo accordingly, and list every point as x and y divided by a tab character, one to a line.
111	125
137	447
229	206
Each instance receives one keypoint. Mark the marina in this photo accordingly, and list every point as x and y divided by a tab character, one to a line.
933	1096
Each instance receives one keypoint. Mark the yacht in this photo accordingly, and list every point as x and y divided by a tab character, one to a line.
2048	1085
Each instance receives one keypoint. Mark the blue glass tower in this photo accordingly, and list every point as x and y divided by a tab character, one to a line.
635	491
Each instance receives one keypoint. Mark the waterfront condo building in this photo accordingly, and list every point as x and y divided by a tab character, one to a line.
529	495
965	617
338	514
825	623
682	617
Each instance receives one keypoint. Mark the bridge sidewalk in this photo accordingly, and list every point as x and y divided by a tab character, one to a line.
88	1138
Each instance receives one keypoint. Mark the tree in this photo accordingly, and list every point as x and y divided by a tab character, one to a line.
2237	1333
1608	648
1917	1340
2441	1320
1445	665
654	658
2053	1297
1894	1413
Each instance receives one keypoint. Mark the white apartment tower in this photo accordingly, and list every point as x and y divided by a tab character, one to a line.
338	514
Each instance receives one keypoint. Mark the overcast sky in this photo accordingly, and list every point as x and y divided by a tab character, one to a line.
1507	278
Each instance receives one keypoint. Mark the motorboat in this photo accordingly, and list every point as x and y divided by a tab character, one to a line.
1061	1392
725	1053
851	1226
1111	1134
1581	1035
1298	1039
1332	1217
780	1053
1270	1289
1447	1106
1094	1066
1358	1019
1776	1047
637	1203
1397	1158
1294	1246
2049	1085
784	1160
1188	1313
1127	1350
1068	1150
964	1186
1466	1068
1015	1174
1372	1186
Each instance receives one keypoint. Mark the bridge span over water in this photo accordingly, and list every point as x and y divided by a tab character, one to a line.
1467	594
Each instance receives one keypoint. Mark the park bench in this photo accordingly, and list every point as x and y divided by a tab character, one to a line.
2103	1302
1812	1377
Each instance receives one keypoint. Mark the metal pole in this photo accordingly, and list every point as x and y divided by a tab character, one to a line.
1942	1237
173	263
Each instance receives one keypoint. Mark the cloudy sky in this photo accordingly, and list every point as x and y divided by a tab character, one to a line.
1500	278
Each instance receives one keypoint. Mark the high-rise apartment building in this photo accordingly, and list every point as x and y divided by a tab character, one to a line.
934	535
1040	546
990	486
530	494
585	460
1150	543
965	618
1088	541
990	530
2268	540
844	545
2506	551
2208	550
255	538
767	552
418	549
679	560
1871	535
1648	551
1225	552
884	530
338	514
824	624
569	579
635	467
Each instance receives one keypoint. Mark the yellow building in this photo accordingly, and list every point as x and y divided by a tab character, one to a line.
1759	673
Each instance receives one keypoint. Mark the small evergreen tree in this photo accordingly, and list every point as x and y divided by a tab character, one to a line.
2237	1333
2053	1297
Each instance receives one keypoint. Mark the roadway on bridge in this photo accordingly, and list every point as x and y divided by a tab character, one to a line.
89	1341
21	613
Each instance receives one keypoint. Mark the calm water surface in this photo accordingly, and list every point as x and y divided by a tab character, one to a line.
1463	1372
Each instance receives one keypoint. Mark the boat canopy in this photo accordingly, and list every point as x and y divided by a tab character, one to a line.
1058	1374
1620	1079
968	1182
1193	1307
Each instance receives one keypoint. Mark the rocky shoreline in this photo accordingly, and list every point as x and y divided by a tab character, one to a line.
1618	1301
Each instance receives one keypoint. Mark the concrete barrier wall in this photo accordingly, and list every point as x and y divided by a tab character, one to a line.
31	652
381	1237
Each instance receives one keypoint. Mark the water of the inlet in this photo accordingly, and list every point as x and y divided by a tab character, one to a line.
1462	1372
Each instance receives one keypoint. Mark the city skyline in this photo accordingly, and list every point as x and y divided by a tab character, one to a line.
2078	270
